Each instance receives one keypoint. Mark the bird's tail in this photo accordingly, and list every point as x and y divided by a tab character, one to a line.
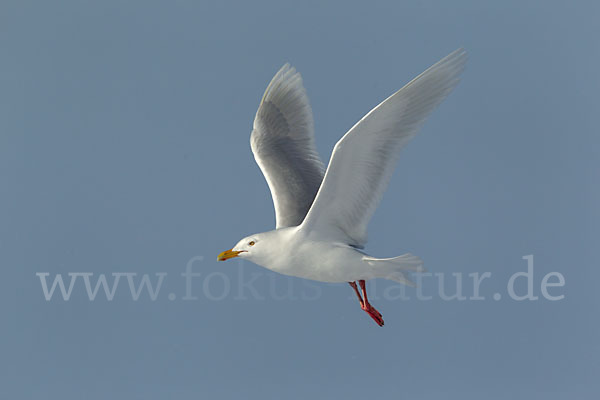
396	268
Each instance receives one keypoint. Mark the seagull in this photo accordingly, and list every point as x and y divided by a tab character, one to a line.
322	214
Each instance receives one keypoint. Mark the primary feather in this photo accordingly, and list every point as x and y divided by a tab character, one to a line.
283	145
363	160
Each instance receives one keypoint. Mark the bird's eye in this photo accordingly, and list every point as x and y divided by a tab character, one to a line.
252	243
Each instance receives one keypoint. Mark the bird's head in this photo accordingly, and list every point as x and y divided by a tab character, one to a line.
248	247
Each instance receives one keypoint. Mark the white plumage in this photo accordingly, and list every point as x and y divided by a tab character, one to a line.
322	216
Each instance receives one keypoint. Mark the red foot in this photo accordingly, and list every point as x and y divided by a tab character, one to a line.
373	313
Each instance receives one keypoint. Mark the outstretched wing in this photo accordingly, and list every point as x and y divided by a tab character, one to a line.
283	145
363	160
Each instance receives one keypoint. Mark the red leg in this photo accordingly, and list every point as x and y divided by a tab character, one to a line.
373	313
360	300
364	304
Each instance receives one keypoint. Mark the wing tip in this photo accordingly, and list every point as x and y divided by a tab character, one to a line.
286	77
456	61
287	93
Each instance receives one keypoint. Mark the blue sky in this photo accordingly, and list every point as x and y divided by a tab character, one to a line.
124	148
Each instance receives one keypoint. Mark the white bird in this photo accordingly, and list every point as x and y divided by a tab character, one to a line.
322	216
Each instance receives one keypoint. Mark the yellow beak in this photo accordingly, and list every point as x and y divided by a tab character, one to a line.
227	254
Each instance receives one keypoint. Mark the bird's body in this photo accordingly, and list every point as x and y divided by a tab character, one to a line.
325	261
313	259
322	215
